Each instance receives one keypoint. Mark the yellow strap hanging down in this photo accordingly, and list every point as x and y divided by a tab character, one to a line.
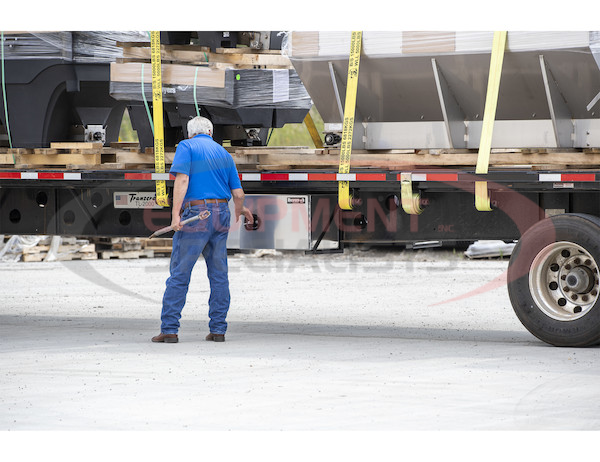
482	200
344	198
312	130
157	115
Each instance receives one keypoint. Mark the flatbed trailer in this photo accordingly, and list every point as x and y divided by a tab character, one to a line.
415	172
553	275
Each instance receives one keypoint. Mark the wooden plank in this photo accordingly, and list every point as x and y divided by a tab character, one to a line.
78	146
64	257
246	50
109	254
141	158
194	56
125	145
172	74
59	159
6	159
394	160
61	249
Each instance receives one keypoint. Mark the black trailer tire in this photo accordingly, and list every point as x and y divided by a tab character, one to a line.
553	280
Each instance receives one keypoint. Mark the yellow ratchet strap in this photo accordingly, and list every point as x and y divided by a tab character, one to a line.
157	115
482	200
344	198
312	130
411	202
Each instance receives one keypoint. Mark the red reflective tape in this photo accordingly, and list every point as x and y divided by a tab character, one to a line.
138	176
442	177
578	177
51	176
10	175
274	177
371	177
322	177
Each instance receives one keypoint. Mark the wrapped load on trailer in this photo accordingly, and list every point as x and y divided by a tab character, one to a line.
427	90
56	88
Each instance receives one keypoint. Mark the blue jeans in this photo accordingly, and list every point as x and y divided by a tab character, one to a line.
209	238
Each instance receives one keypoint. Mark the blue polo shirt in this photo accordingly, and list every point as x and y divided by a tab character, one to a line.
210	167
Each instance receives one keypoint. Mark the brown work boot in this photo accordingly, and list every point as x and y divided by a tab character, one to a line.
215	337
165	338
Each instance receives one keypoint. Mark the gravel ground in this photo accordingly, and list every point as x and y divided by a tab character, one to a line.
366	340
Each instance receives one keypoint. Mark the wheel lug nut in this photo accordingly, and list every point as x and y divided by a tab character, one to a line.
567	267
573	297
588	262
585	298
577	261
565	289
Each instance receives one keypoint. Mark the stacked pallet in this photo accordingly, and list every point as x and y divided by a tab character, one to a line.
82	156
60	249
121	248
162	247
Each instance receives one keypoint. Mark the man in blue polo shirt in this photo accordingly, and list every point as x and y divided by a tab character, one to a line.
206	179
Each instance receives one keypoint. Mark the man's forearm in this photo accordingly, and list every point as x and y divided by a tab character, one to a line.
238	199
179	190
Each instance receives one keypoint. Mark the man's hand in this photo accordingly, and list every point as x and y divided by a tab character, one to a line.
176	222
245	212
240	209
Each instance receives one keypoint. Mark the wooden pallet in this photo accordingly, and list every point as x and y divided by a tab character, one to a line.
65	155
129	156
160	246
36	257
65	252
118	243
67	248
128	254
222	58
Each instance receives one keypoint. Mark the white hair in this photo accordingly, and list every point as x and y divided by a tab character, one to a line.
199	126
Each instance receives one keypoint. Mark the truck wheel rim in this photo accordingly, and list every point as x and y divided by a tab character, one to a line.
563	281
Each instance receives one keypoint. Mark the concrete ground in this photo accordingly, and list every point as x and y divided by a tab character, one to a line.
360	341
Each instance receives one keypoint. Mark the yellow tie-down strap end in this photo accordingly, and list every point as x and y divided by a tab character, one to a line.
344	197
411	202
482	200
157	115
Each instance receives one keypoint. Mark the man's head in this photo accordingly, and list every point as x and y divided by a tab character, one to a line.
199	126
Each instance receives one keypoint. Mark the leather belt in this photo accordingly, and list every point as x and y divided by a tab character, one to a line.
205	201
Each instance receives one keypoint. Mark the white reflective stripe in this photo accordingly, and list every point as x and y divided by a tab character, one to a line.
72	176
250	176
161	176
298	176
550	177
29	175
346	177
419	176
